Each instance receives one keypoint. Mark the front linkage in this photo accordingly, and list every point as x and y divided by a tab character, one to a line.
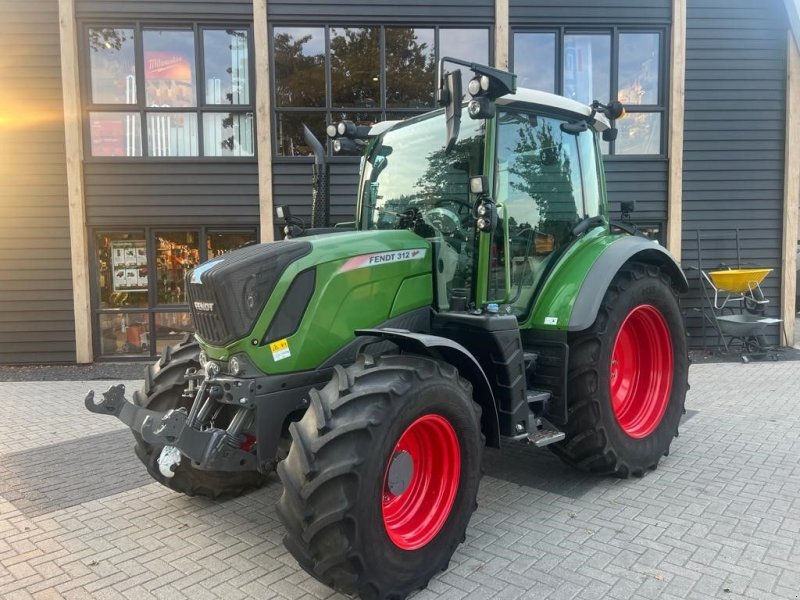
213	418
210	448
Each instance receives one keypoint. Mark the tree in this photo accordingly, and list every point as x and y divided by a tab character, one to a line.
299	77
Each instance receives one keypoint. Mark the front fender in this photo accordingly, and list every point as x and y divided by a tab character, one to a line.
458	356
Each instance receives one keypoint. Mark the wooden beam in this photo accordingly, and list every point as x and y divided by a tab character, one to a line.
501	44
76	200
791	192
263	119
677	92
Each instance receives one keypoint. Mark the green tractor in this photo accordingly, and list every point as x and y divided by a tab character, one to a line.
482	294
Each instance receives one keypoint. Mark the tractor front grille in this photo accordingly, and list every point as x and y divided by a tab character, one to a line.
228	294
209	325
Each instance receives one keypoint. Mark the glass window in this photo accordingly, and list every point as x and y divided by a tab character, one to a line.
112	66
220	242
171	92
171	327
466	44
639	64
140	310
639	133
409	170
176	253
124	333
289	131
355	67
172	134
169	68
590	167
122	269
539	185
586	62
410	67
535	60
359	57
299	54
226	66
228	134
587	67
115	134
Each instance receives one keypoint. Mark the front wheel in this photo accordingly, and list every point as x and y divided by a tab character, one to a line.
382	475
627	377
162	390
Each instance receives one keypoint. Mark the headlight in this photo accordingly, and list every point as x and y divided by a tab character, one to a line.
235	367
330	130
474	87
212	369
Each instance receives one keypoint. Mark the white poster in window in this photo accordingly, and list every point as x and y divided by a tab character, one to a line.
578	68
129	265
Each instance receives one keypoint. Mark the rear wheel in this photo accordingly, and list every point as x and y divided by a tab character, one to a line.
162	390
382	475
627	377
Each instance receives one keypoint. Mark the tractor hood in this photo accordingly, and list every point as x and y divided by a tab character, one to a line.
289	305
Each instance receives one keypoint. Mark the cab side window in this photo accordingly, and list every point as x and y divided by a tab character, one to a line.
538	187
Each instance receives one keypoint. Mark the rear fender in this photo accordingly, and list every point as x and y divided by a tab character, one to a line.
608	264
570	297
458	356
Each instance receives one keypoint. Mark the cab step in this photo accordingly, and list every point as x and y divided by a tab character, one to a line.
545	434
544	437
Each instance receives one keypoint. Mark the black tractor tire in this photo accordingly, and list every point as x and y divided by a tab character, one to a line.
597	440
338	474
162	390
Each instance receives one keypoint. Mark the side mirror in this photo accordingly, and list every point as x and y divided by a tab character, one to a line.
479	185
450	95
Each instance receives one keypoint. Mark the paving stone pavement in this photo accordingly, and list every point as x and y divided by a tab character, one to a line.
720	518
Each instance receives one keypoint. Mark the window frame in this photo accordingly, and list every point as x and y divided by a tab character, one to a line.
329	109
662	106
202	107
152	306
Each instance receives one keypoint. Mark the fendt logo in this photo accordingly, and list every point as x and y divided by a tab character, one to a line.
204	306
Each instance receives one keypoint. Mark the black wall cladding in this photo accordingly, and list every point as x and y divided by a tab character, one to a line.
734	143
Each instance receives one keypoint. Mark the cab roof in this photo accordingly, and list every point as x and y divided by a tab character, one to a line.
529	99
538	99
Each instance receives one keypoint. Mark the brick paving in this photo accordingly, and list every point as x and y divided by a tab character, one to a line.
720	518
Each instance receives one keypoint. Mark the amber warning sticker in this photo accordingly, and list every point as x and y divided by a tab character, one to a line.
280	349
382	258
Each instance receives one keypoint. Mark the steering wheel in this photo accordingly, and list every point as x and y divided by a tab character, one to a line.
445	220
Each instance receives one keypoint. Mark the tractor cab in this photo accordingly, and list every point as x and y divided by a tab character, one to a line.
499	204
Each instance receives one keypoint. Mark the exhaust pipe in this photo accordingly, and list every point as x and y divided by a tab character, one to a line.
320	190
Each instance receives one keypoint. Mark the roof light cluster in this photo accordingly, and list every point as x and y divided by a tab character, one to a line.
347	137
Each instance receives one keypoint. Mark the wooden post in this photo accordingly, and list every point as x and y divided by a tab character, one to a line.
501	34
791	192
677	88
76	200
263	119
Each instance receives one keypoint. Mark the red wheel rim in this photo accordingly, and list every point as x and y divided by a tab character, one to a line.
415	508
641	371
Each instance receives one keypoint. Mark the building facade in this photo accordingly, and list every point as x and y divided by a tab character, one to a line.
138	139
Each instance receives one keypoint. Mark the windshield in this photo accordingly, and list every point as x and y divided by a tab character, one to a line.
409	182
